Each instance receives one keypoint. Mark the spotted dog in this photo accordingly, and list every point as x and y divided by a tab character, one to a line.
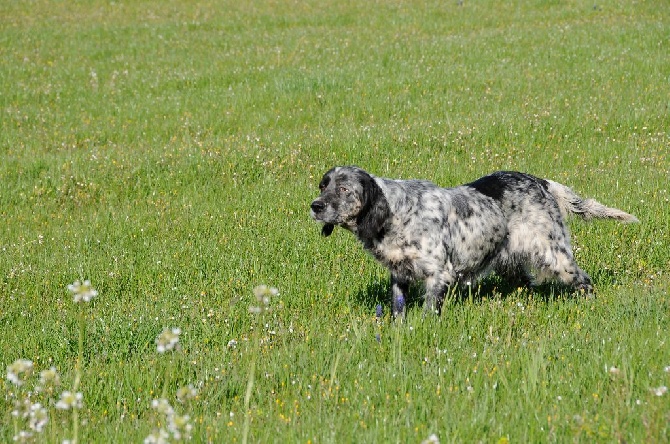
508	222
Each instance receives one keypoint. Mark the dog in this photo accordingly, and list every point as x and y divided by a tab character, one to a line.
508	222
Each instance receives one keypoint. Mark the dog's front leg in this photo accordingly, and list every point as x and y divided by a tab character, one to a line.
435	293
399	290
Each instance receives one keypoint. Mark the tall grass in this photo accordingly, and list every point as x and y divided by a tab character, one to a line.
167	151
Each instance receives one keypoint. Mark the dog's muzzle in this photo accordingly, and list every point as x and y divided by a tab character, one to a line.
318	207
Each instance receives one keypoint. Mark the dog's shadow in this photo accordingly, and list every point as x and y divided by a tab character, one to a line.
378	292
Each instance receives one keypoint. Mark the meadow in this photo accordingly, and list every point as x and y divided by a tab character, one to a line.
168	151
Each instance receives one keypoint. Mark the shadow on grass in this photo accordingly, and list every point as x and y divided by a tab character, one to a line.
378	291
492	287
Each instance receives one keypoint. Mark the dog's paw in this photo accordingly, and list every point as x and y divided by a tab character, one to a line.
399	307
585	290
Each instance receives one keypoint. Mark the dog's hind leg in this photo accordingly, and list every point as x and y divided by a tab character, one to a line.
515	273
561	266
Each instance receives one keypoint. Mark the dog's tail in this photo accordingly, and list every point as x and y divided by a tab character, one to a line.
570	203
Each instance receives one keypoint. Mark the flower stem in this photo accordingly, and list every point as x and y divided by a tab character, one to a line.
247	399
77	374
166	379
16	425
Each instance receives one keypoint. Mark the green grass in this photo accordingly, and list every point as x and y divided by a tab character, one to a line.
168	151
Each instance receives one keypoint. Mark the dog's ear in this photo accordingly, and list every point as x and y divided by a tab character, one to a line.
372	217
327	230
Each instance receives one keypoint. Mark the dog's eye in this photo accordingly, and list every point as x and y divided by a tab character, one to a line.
343	190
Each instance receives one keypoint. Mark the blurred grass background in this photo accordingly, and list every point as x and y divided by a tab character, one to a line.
168	151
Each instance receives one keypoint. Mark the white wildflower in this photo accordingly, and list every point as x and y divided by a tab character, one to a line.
180	427
659	391
265	291
159	436
168	339
48	379
19	371
186	393
21	408
162	406
432	439
38	417
69	400
23	436
82	291
263	294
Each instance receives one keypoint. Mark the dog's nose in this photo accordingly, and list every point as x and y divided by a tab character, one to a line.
318	206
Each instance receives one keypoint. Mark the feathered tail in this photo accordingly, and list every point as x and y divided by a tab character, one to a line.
570	203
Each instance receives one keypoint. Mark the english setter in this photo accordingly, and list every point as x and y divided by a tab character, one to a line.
508	222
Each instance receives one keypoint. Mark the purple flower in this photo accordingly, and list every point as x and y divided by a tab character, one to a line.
379	311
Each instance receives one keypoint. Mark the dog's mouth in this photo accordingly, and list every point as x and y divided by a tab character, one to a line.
318	208
327	230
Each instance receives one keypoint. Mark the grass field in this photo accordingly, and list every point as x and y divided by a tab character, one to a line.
168	152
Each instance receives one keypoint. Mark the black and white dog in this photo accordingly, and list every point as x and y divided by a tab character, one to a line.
508	222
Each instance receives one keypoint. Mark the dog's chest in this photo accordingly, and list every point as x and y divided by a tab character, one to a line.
400	257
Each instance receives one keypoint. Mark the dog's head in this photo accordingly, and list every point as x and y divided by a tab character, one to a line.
350	198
